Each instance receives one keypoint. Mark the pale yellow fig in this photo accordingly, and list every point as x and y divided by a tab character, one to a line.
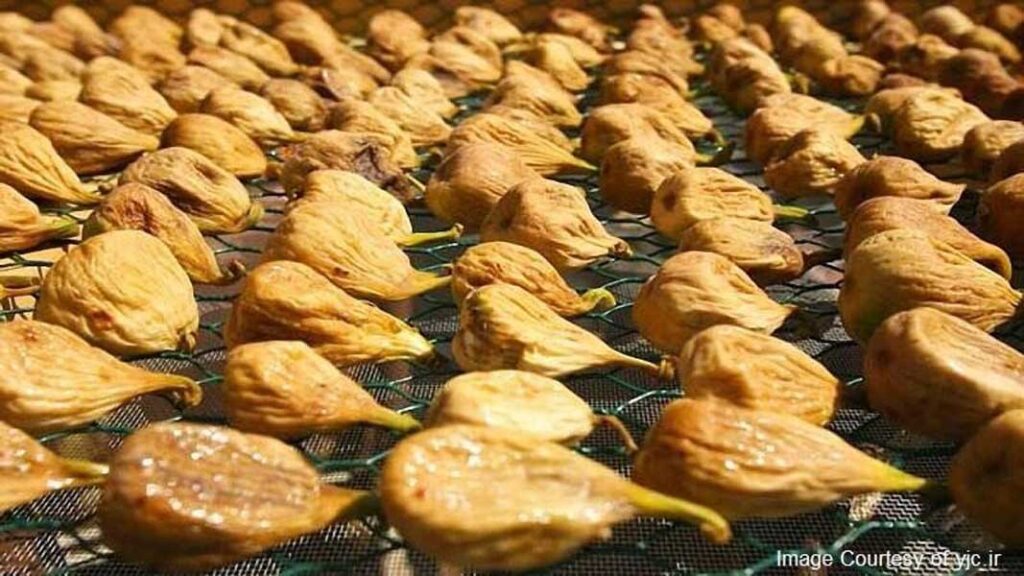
88	140
13	82
262	48
985	478
612	123
358	116
581	25
18	45
53	90
742	74
757	464
546	99
584	54
555	220
539	126
192	497
16	108
211	196
344	56
285	389
353	253
759	372
30	165
138	207
808	105
204	28
769	128
53	380
931	126
507	263
339	83
422	126
945	21
217	140
985	38
456	80
52	65
426	91
125	94
286	300
692	291
880	109
557	60
28	470
902	269
658	93
124	292
850	75
633	169
892	212
469	55
491	24
393	37
1001	210
985	142
811	162
470	181
252	114
187	87
768	255
490	499
307	34
300	105
696	194
155	58
636	62
22	227
502	326
144	21
235	67
538	153
893	176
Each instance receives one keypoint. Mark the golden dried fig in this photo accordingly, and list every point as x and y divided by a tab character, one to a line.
53	380
456	80
692	291
989	40
653	91
555	220
124	93
90	41
16	108
22	227
633	169
612	123
985	478
145	22
850	75
768	255
303	108
285	389
30	165
262	48
584	54
54	90
892	212
12	82
540	127
191	497
889	38
557	60
28	470
985	142
769	128
393	37
757	371
1010	162
893	176
742	74
644	64
187	87
811	162
491	499
1002	210
502	326
204	28
252	114
489	23
422	126
902	269
52	65
358	116
881	108
139	207
581	25
217	140
469	55
696	194
351	252
286	300
538	94
308	36
426	91
507	263
757	464
930	126
214	199
538	153
88	140
235	67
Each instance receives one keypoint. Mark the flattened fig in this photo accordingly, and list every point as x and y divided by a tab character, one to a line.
235	67
1002	210
303	108
30	165
358	116
187	87
422	127
984	143
489	23
696	194
538	153
930	126
252	114
768	255
884	176
769	128
263	49
219	141
612	123
633	169
22	227
125	94
426	91
811	162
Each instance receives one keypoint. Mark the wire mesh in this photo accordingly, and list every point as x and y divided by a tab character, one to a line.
58	535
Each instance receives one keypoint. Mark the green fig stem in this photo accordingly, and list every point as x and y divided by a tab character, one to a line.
394	420
232	272
855	125
723	155
615	424
712	525
788	212
83	472
343	504
62	227
893	479
419	282
597	299
417	238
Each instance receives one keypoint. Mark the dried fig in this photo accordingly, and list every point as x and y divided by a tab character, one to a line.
124	93
53	380
393	37
893	176
358	116
149	45
187	87
217	140
469	54
286	300
556	59
697	194
538	153
581	25
633	169
90	41
750	464
585	55
850	75
252	114
612	123
304	31
889	38
540	127
489	23
1010	162
423	127
811	162
655	92
984	143
339	83
742	74
1001	211
52	65
12	82
989	40
204	28
768	255
769	128
924	57
263	49
930	126
16	108
30	165
235	67
145	22
426	91
540	95
54	90
303	108
22	227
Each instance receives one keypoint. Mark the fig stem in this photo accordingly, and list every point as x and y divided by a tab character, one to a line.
346	504
855	125
18	285
418	238
63	228
395	421
418	283
665	370
617	425
790	212
597	299
184	391
713	525
419	186
84	472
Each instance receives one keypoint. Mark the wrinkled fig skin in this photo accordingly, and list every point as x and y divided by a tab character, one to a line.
1010	162
606	125
697	194
286	300
742	74
555	220
302	107
124	93
885	176
987	476
1002	214
124	292
489	499
491	24
394	37
218	140
423	127
252	114
939	376
52	380
538	153
759	372
633	169
52	90
502	326
811	163
187	87
545	98
902	269
507	263
539	126
557	60
931	126
237	68
768	129
263	49
692	291
359	195
984	143
139	207
16	108
426	91
286	390
756	464
880	109
891	213
358	116
22	227
768	255
30	165
190	497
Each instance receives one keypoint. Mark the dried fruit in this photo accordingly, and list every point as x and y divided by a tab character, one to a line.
742	74
538	93
757	464
489	23
769	128
124	93
985	478
812	162
930	126
584	54
1001	210
1010	162
692	291
893	176
12	82
263	49
902	269
235	67
421	126
52	65
286	300
469	55
217	140
850	75
696	194
889	38
187	87
491	499
351	252
53	90
989	40
426	91
759	372
88	140
358	116
768	255
214	199
557	60
191	497
633	169
300	105
553	219
252	114
393	37
204	28
538	153
16	108
984	143
540	127
90	41
507	263
581	25
945	21
22	227
656	92
612	123
881	108
53	380
124	292
30	165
